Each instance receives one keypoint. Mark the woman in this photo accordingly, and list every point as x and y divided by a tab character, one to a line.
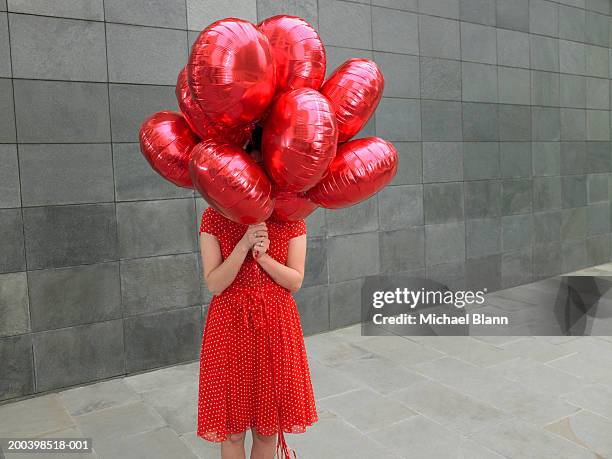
253	367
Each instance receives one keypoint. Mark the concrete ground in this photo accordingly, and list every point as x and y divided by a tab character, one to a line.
387	396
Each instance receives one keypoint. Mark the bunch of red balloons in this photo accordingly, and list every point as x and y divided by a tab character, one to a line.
260	133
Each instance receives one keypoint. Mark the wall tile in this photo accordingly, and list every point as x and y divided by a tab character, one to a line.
336	56
572	57
409	170
401	74
314	309
480	122
513	14
440	120
546	193
573	124
159	283
516	232
512	48
7	112
544	88
316	222
483	273
573	255
408	5
94	295
5	52
70	356
66	173
546	260
573	191
442	161
478	43
131	104
59	236
514	85
346	263
544	53
601	6
405	36
573	223
597	63
145	55
597	157
11	242
83	108
343	298
597	93
480	11
57	49
316	272
355	29
516	268
482	198
171	233
440	79
598	249
480	160
478	82
439	37
444	243
399	119
306	9
546	158
545	123
514	122
79	9
483	237
597	188
402	250
573	91
597	29
10	193
515	159
14	304
360	218
597	125
18	374
165	338
516	196
543	17
451	275
161	13
598	219
201	13
408	198
443	202
135	179
571	23
444	8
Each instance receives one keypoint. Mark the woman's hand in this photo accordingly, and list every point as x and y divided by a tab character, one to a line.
253	235
261	247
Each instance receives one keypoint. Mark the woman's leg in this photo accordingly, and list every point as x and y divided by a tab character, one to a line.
264	446
233	447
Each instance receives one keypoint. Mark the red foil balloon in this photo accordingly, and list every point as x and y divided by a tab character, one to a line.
289	207
166	141
200	123
299	139
354	89
231	182
231	72
360	169
297	50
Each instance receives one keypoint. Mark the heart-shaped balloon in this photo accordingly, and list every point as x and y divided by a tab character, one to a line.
354	90
201	124
231	72
289	207
361	168
299	139
231	182
297	50
166	141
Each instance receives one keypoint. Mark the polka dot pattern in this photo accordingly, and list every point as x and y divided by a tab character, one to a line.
253	364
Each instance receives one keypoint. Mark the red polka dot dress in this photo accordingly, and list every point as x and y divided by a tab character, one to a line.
253	364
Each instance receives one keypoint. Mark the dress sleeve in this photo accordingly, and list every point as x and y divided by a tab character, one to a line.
297	228
209	222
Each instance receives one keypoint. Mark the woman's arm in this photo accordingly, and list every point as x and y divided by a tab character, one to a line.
219	273
291	275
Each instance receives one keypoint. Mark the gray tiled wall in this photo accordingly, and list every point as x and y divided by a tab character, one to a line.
500	111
